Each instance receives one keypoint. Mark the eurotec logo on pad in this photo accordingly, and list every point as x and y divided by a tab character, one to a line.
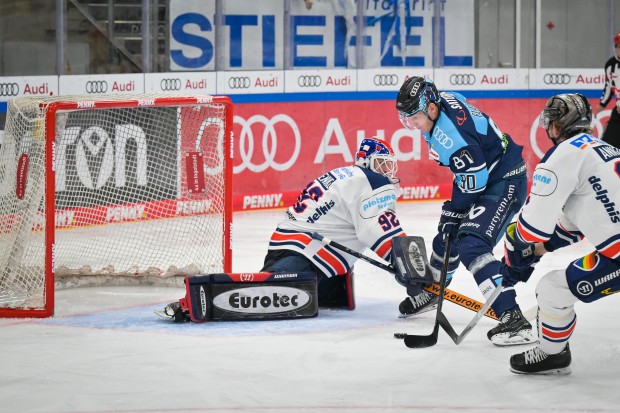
262	300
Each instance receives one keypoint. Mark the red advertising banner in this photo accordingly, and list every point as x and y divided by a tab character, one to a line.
280	147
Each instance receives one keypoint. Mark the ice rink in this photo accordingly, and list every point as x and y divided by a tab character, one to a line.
106	351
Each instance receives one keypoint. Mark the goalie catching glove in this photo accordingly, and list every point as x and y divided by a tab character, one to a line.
409	261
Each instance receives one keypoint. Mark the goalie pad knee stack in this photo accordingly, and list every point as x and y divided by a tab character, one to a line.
251	296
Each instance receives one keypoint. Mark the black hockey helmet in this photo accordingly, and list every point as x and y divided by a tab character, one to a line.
414	96
571	112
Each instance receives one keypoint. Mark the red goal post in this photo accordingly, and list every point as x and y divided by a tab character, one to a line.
110	190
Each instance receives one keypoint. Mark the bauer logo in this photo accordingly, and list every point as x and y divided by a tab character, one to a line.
262	300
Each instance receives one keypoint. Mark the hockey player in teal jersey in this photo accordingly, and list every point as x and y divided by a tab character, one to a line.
489	187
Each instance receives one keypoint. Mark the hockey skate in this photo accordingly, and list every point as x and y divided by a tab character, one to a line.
174	312
536	361
513	329
418	304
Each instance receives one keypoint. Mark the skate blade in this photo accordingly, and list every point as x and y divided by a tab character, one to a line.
163	314
553	372
424	310
524	337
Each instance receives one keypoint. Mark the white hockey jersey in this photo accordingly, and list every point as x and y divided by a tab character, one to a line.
353	206
576	186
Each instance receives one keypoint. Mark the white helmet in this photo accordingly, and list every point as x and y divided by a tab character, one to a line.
377	155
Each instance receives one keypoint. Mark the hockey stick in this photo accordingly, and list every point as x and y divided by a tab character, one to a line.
450	295
415	341
458	338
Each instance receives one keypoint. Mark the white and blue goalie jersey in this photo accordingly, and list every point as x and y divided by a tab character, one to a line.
353	206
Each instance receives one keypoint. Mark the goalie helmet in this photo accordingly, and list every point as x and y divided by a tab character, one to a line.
617	38
571	112
414	96
377	155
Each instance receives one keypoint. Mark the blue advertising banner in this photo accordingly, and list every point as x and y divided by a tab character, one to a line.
397	33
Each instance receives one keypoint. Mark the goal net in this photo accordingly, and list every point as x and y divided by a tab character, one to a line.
112	191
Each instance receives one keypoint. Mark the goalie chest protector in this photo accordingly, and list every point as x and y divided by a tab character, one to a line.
251	296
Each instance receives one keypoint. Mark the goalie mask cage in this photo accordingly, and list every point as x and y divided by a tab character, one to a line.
114	188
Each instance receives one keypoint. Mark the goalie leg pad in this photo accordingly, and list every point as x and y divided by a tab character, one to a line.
337	291
251	296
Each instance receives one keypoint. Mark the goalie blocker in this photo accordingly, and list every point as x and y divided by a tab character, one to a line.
251	296
409	261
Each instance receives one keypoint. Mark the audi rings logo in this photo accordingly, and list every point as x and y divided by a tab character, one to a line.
442	139
239	82
272	150
309	81
170	84
96	86
462	79
556	79
9	89
385	80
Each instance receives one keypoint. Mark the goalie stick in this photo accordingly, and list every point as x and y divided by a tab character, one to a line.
427	341
450	295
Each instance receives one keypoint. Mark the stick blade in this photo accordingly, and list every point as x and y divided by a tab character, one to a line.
414	341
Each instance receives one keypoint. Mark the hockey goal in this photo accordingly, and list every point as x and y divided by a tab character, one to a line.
116	190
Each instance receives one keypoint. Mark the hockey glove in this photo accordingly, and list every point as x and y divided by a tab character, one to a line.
409	261
436	261
511	275
518	253
450	220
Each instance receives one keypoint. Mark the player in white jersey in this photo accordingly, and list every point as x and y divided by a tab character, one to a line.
352	205
575	194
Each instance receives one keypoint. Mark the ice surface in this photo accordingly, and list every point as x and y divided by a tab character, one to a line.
106	351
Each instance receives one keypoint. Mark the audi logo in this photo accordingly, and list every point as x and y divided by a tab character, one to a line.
96	86
268	144
309	81
556	78
170	84
236	82
442	139
385	80
9	89
462	79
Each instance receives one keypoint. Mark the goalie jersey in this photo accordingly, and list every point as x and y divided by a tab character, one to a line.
576	186
353	206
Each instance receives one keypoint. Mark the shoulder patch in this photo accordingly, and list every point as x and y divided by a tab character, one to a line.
326	180
583	141
544	182
607	152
